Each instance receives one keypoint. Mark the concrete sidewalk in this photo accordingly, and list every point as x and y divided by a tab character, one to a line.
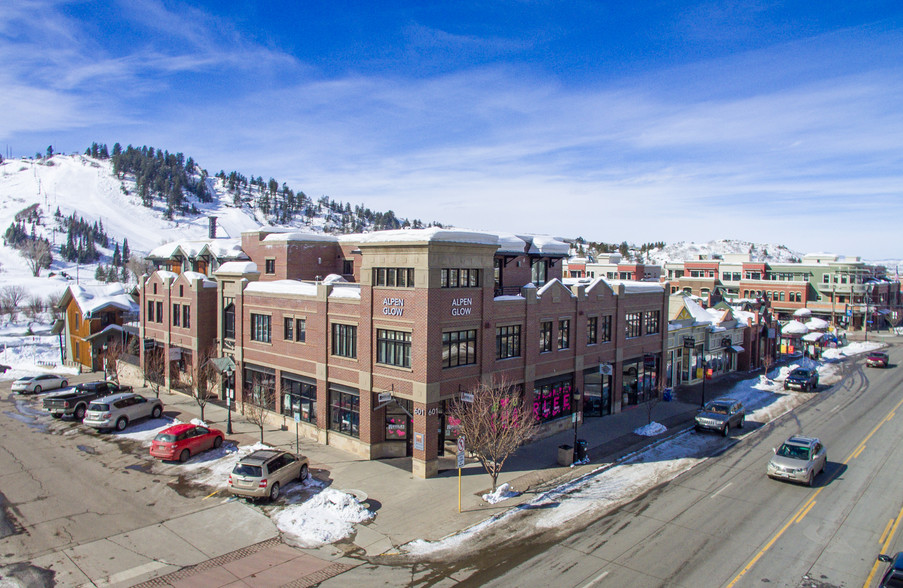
408	508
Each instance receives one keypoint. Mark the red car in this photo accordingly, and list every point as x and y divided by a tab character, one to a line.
877	359
180	442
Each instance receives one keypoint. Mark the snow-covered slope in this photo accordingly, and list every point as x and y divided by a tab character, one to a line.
684	250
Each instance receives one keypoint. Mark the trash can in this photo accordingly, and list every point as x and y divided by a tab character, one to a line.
580	453
668	395
565	455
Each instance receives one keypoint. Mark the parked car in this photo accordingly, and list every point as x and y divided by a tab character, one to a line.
37	384
798	459
893	575
118	410
262	473
720	415
877	359
75	402
804	379
5	368
180	442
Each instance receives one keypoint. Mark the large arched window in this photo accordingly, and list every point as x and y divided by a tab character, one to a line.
229	322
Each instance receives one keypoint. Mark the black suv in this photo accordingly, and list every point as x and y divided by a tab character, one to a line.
720	415
893	576
804	379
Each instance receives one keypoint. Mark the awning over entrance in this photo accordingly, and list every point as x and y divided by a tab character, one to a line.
735	349
223	365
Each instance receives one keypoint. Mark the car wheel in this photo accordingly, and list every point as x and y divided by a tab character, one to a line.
304	473
37	390
156	412
811	481
274	491
64	383
56	416
217	442
741	423
805	387
726	430
183	457
80	412
121	423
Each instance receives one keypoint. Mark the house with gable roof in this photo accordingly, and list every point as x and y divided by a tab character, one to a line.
95	316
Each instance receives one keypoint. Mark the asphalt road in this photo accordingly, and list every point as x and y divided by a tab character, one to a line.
724	523
78	506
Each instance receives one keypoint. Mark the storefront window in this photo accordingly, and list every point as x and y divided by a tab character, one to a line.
259	387
344	412
299	396
596	394
553	400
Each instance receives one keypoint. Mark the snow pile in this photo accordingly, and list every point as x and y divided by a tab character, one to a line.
326	518
145	431
651	430
854	348
501	493
212	468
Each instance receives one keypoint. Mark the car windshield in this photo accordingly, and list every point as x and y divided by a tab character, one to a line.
794	451
243	469
800	373
97	407
165	438
718	408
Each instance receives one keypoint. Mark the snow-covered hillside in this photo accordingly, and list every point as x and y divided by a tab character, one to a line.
684	250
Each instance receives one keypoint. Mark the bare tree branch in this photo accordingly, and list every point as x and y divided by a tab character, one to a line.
258	401
495	424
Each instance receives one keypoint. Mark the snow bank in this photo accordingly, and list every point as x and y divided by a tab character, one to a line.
326	518
651	430
503	492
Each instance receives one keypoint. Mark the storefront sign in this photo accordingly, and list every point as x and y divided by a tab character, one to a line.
605	369
418	441
461	306
689	342
466	397
393	306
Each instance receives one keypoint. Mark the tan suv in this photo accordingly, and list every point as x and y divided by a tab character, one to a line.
261	474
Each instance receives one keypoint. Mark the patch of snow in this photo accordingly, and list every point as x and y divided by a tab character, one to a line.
651	430
503	492
327	517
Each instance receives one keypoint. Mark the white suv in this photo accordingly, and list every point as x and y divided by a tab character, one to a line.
118	410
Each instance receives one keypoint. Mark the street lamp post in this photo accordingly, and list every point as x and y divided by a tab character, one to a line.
229	394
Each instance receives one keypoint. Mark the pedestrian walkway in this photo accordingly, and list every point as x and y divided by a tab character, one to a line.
409	508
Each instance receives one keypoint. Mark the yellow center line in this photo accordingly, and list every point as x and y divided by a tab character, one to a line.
886	529
808	504
885	543
858	452
805	512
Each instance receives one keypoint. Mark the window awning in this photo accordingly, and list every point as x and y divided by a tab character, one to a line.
736	349
223	365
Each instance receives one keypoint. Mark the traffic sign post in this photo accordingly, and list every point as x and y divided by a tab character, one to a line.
460	455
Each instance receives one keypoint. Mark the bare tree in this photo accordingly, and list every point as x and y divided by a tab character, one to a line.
34	306
258	401
111	360
495	424
656	397
155	370
767	362
139	266
10	299
37	255
203	378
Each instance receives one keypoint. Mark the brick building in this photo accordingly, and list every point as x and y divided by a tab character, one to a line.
367	339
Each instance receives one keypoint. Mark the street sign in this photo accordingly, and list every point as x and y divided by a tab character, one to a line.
460	456
605	369
466	397
461	443
384	397
297	417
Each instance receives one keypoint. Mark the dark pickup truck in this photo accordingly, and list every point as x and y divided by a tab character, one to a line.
75	402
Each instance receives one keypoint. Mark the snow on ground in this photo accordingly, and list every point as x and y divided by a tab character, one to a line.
854	348
651	430
330	515
610	486
503	492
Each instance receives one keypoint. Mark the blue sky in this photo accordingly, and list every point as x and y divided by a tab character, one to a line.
638	121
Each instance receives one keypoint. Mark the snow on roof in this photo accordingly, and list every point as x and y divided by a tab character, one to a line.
350	291
634	287
219	248
334	279
817	324
93	298
549	284
282	237
547	245
698	313
511	243
433	234
293	287
509	297
794	328
237	267
205	281
167	275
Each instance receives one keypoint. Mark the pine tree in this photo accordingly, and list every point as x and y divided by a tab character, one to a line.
126	253
117	256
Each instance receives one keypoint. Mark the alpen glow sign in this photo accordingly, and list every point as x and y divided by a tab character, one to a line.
393	306
461	306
